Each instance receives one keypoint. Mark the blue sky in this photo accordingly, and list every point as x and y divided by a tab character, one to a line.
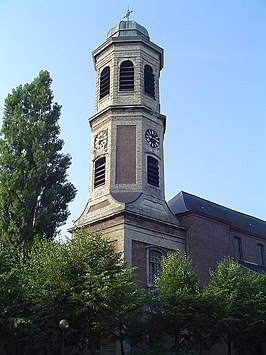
213	86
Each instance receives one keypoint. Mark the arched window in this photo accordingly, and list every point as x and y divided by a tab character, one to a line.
154	265
152	171
149	87
126	78
105	82
99	172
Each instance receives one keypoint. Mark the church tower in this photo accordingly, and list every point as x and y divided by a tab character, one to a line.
127	199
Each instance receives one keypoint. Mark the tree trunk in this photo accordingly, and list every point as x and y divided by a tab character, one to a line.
229	344
121	342
200	347
93	349
122	347
92	346
177	344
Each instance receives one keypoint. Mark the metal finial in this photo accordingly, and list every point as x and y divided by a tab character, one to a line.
128	13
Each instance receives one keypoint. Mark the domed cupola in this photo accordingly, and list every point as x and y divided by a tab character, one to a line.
127	68
128	28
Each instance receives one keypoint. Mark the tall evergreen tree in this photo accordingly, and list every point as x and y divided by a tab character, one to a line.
34	190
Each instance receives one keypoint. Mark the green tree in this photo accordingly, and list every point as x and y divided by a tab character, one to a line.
42	276
104	296
14	322
84	281
34	191
252	320
240	301
180	308
125	315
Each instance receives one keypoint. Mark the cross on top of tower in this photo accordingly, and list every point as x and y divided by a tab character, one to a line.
127	15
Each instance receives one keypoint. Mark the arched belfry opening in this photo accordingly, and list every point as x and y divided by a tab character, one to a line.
105	82
149	86
99	172
126	76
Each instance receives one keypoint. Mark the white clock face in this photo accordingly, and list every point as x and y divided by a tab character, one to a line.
152	138
100	140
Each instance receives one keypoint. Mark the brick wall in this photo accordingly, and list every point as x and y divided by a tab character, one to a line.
139	261
207	243
210	241
126	154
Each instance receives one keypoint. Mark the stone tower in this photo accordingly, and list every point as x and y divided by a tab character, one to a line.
126	199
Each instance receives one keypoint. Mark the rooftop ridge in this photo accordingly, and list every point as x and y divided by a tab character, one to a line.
222	206
184	202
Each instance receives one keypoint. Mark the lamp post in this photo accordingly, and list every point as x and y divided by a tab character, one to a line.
63	325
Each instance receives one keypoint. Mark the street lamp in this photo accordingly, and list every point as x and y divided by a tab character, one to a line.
63	325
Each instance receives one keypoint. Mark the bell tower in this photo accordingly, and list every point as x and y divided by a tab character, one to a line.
126	199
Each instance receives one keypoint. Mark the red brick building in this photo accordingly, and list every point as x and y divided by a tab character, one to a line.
214	232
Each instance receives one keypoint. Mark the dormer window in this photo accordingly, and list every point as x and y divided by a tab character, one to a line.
126	78
105	82
149	87
99	172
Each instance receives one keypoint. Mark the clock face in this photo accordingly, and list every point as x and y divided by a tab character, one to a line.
100	140
152	138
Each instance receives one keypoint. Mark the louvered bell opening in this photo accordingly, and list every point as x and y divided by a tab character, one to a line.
149	87
153	171
105	82
126	80
99	173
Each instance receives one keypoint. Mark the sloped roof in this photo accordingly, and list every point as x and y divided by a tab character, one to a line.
185	202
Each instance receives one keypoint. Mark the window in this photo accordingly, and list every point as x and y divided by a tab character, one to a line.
237	248
154	265
260	248
105	82
99	172
126	80
149	88
153	171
